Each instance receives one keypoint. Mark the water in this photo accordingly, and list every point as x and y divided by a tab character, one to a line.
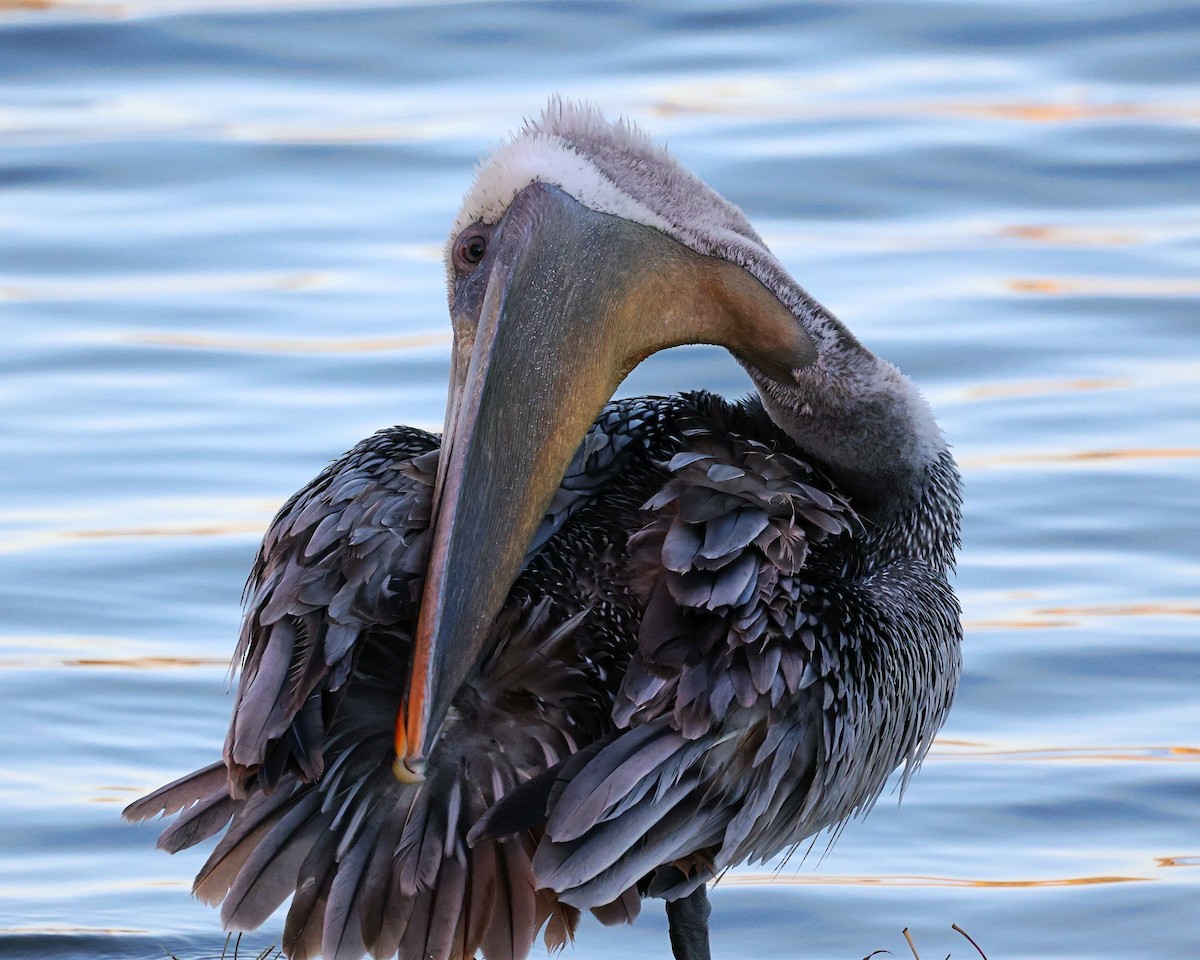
219	235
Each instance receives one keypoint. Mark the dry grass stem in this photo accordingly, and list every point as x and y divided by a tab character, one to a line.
913	947
957	929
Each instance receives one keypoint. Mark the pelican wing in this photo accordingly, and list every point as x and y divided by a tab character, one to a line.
344	557
307	790
726	576
724	698
341	560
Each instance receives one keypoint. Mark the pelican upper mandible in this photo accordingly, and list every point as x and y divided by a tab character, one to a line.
579	652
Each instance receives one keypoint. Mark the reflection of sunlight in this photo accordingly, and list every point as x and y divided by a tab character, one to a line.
774	97
201	341
421	252
1070	112
417	131
1043	387
958	750
104	8
1107	286
40	539
56	651
1124	610
1042	618
208	530
124	9
1016	623
59	929
1147	377
1072	236
1177	861
162	517
736	879
6	5
982	234
118	663
1080	456
160	285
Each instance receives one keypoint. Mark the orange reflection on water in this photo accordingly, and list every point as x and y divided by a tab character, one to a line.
1016	623
1041	618
763	879
775	100
114	795
40	539
59	929
200	341
1125	610
973	752
1081	456
1072	236
1189	861
205	530
116	663
122	288
1159	376
147	663
1040	387
1107	286
26	5
29	538
1074	112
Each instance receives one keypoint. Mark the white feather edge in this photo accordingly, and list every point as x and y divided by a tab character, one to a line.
537	157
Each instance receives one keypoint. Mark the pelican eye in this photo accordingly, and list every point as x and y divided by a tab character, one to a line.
471	248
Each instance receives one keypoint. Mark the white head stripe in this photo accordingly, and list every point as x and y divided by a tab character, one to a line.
545	158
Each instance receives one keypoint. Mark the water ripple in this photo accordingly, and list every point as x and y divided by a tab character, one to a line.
1079	457
1064	111
1107	286
957	750
1186	861
112	663
204	341
163	285
773	879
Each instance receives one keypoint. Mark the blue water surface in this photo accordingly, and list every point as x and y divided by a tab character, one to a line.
220	233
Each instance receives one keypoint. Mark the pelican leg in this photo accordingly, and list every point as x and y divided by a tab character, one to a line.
688	920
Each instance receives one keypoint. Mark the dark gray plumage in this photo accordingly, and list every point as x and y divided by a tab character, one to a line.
716	635
732	657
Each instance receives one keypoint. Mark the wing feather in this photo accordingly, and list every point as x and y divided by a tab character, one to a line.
269	874
248	829
333	567
510	934
202	821
305	919
342	937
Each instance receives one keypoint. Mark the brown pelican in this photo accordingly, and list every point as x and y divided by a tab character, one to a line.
581	652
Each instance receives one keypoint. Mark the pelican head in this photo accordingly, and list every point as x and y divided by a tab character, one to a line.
581	249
